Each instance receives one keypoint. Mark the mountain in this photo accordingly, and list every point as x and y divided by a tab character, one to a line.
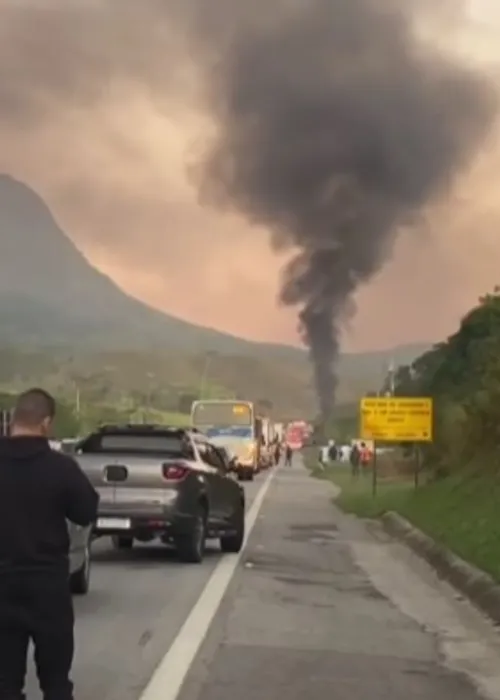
51	295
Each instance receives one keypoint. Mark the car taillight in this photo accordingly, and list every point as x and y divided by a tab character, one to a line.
174	472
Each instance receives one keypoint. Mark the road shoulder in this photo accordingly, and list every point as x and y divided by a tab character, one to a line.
480	588
306	613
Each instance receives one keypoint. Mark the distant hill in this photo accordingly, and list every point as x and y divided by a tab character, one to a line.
166	378
54	301
50	294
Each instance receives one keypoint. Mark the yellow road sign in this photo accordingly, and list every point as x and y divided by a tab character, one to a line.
396	419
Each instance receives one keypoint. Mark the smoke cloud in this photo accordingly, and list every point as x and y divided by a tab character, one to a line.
336	127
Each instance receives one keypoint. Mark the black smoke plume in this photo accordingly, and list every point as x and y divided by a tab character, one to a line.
336	127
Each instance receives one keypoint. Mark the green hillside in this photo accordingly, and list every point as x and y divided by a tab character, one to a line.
171	380
62	321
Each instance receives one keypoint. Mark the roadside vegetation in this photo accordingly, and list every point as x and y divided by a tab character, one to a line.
170	379
457	501
71	422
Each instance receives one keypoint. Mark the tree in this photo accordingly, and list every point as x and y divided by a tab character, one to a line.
185	402
65	422
462	375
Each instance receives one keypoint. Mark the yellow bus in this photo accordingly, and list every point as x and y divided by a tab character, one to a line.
235	425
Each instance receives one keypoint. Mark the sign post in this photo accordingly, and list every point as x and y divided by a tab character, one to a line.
418	463
396	419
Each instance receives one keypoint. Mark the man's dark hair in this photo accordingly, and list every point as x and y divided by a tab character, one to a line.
33	407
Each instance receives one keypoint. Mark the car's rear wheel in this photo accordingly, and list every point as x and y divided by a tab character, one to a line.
79	580
120	542
190	546
233	541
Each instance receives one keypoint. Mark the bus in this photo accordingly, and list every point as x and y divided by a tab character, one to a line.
236	426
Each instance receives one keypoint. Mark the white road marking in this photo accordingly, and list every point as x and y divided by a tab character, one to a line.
172	670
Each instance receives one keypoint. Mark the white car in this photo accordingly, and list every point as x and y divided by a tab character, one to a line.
79	555
79	558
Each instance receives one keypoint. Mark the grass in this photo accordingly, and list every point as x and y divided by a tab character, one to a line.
162	417
461	512
357	493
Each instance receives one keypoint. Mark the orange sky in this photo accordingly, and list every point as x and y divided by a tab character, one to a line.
114	173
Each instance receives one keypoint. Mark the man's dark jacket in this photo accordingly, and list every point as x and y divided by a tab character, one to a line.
40	490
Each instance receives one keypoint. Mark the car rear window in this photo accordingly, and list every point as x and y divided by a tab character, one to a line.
141	444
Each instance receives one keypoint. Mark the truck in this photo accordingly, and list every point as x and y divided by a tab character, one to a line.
294	435
164	483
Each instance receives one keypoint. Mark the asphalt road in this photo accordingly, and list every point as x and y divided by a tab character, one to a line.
320	606
137	603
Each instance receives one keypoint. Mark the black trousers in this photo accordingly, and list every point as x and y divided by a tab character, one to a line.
36	607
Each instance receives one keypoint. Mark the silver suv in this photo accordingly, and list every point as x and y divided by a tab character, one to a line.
163	482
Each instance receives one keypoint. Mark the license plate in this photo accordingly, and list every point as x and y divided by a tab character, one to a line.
114	523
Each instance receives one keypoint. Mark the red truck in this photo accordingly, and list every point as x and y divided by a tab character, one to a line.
295	434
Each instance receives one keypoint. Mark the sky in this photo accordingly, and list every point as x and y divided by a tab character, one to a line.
111	157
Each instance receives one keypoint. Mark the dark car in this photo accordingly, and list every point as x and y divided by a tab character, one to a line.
163	482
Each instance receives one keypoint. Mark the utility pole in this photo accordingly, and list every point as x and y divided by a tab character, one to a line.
77	401
390	379
203	380
150	377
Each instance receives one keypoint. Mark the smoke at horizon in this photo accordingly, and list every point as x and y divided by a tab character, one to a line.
335	126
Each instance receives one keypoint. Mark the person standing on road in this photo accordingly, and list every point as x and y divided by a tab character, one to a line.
365	456
277	451
40	490
324	455
332	451
288	456
355	459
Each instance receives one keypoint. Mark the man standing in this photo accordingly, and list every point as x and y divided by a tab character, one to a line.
355	459
365	456
288	456
332	451
324	455
277	451
39	491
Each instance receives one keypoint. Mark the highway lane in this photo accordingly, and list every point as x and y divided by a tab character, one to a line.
137	603
318	602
